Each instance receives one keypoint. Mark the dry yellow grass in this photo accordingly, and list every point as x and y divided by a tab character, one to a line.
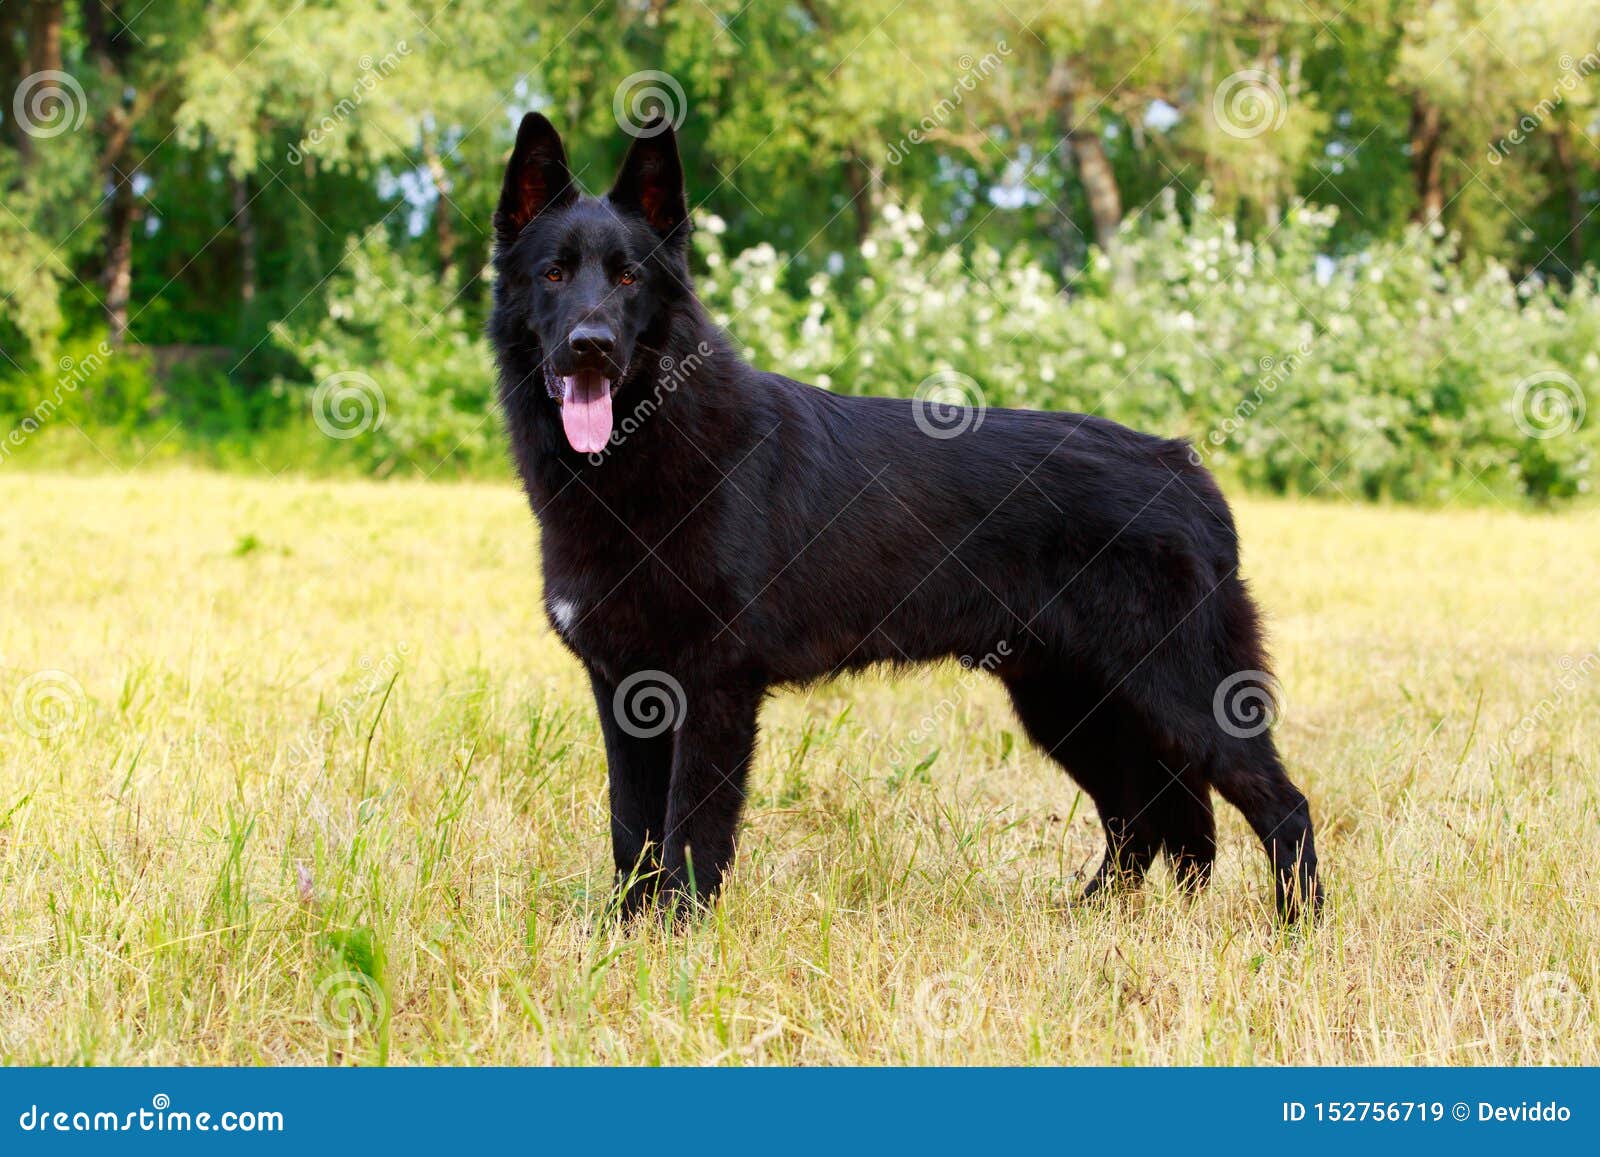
202	861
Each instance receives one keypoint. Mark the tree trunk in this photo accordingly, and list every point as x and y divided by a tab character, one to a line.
1094	169
112	46
42	31
244	222
865	181
118	273
44	36
443	212
1562	140
1427	128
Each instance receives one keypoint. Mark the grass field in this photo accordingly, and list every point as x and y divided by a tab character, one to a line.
296	772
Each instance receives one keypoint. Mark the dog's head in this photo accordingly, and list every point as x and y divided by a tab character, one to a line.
590	278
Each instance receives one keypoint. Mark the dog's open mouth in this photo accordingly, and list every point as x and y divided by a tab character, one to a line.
586	410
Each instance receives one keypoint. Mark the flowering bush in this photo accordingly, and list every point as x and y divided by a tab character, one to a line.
401	377
1392	373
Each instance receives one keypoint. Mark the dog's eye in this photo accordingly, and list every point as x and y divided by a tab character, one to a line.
627	277
553	273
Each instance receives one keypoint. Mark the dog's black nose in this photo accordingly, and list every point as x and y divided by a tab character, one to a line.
594	341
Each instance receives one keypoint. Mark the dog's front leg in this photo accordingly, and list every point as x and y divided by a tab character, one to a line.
711	759
639	768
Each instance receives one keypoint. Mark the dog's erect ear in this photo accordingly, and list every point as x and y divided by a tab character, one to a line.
537	178
651	180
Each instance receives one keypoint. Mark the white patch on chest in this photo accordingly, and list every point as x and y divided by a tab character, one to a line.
564	612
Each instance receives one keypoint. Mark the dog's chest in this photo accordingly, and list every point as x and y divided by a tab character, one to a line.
622	607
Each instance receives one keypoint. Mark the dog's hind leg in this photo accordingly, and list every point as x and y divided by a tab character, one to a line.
1251	776
1200	740
1183	815
1096	747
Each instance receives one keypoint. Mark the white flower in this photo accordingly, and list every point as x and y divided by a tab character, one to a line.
713	224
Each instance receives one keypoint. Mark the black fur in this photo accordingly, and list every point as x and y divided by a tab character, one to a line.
743	530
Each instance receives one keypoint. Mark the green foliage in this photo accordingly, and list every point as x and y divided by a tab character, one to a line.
87	382
401	376
1391	374
311	192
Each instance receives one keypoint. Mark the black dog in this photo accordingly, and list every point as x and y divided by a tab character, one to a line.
710	531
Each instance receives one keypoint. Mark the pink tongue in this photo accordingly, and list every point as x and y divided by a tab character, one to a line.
586	411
